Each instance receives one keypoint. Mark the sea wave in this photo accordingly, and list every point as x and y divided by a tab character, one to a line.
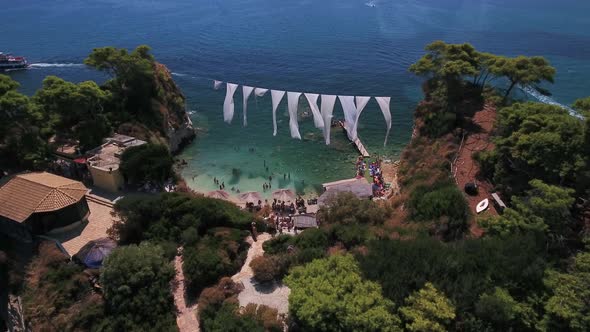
548	100
178	74
49	65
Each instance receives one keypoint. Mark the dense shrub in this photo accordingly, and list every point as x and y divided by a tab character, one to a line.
267	316
148	162
221	253
462	270
277	245
444	204
265	268
169	215
136	287
350	235
218	310
228	319
58	296
346	208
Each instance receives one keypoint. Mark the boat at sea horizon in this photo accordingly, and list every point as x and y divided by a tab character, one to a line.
10	62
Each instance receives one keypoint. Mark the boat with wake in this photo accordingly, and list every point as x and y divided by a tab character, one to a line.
10	62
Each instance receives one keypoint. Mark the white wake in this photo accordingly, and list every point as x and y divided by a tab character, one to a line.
548	100
49	65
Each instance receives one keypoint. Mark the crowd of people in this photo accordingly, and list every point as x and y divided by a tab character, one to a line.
379	186
282	224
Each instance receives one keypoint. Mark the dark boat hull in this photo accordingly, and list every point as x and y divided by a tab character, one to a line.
13	66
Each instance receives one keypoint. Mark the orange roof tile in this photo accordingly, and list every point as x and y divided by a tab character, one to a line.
30	193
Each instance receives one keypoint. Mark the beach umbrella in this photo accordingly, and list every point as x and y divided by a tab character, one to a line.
283	195
219	194
94	252
250	196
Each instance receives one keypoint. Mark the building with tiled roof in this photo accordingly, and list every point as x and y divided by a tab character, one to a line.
41	202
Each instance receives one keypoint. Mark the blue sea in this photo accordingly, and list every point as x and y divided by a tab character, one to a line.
346	47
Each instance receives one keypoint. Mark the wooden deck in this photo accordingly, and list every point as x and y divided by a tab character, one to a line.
357	142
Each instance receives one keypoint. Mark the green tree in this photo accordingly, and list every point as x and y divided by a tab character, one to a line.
22	144
132	84
7	84
568	308
537	141
543	208
448	61
148	162
136	287
504	313
428	310
330	295
523	70
74	110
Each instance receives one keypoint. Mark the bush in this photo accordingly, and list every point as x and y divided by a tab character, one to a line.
267	316
444	204
220	253
277	245
311	238
346	208
350	235
218	310
136	287
58	295
265	268
463	270
148	162
168	215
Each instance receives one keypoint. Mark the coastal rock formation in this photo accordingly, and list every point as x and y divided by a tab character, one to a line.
176	129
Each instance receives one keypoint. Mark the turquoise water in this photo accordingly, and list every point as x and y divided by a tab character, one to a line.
353	47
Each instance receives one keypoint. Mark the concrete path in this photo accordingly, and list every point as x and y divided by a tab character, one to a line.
185	318
274	295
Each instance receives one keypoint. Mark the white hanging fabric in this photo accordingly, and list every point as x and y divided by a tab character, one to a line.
384	105
293	101
361	103
327	108
312	99
228	104
349	109
246	91
217	84
276	96
259	92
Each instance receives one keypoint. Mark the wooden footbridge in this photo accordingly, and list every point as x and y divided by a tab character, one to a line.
357	142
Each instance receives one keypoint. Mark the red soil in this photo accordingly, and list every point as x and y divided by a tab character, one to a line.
466	169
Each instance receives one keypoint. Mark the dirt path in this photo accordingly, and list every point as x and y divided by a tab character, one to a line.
273	295
185	318
465	168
